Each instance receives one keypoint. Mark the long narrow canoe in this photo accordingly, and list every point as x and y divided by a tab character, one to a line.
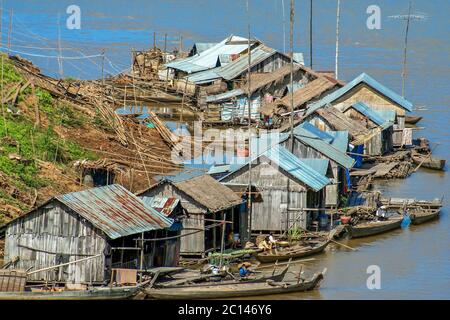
106	293
296	252
236	290
371	228
256	279
427	161
419	216
412	119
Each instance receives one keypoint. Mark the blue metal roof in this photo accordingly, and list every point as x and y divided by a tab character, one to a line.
269	146
322	146
340	140
203	46
297	168
319	165
365	110
387	114
115	210
362	78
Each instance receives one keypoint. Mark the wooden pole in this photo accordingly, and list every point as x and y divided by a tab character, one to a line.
405	49
64	264
284	28
142	253
291	44
103	67
338	13
249	197
311	34
222	245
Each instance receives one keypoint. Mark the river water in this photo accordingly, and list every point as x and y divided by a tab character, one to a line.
414	261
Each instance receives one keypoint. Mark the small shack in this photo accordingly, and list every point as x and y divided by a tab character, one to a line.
288	188
381	128
366	89
206	203
311	142
98	226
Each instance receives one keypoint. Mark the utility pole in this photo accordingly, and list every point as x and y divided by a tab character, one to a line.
338	13
103	67
60	63
249	194
408	19
311	34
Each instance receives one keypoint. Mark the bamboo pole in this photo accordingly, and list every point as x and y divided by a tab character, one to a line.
249	188
338	13
64	264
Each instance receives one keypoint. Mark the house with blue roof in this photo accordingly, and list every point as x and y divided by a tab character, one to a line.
380	124
312	143
366	89
287	191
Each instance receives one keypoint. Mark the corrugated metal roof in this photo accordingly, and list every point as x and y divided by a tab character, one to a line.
362	78
240	65
208	58
203	76
299	58
203	46
225	96
338	139
115	211
319	165
269	146
297	168
163	205
387	114
364	109
323	147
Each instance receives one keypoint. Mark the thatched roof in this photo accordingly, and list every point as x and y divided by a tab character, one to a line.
312	90
209	193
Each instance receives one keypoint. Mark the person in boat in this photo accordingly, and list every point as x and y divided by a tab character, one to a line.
264	244
272	241
381	213
244	270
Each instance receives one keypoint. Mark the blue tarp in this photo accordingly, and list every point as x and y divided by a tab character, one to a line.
358	158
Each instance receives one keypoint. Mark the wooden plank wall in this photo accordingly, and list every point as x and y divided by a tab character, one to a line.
41	237
270	213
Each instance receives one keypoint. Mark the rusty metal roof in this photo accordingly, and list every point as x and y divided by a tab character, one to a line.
115	210
163	205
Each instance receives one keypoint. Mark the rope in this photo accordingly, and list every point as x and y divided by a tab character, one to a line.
55	57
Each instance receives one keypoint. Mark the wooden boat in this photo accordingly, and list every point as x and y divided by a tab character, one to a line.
428	161
398	203
204	281
412	119
236	290
371	228
308	248
101	293
420	215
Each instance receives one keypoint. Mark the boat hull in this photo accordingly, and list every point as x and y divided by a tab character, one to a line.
412	119
232	291
268	256
376	228
430	163
120	293
419	218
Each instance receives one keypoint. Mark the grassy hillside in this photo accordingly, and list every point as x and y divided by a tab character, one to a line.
34	158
